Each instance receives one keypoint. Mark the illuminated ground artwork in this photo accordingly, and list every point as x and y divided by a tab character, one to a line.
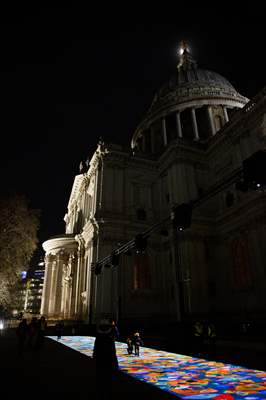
186	377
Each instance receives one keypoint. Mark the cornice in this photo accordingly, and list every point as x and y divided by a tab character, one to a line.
75	190
55	244
123	160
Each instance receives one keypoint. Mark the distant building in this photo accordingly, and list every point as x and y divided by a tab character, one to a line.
195	136
30	293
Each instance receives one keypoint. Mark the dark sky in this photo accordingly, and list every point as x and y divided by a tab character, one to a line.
71	75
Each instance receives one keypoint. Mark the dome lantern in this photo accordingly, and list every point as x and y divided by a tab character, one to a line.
186	61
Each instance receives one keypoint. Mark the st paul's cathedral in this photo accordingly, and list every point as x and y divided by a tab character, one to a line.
189	149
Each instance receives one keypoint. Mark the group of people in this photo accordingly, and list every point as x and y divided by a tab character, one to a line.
32	334
133	343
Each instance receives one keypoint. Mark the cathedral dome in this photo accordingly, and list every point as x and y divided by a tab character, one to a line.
193	84
193	104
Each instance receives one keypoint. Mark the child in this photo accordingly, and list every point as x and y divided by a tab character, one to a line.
129	345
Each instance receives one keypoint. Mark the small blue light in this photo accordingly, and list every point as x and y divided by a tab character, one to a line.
23	274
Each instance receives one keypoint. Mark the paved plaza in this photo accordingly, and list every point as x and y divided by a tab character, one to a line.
66	370
183	376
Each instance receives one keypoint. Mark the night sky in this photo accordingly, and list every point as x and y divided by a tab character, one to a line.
71	75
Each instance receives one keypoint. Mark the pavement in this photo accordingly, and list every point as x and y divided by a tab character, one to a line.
56	371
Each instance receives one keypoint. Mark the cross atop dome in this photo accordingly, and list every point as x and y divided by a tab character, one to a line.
186	61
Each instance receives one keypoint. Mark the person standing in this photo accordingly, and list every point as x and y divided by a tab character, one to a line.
22	335
129	345
59	329
198	338
115	330
137	342
42	326
33	333
104	355
211	340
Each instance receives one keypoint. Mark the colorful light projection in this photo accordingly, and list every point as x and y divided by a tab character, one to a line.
186	377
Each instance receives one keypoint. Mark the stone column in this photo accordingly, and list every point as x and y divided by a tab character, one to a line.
194	122
79	276
164	132
63	298
152	140
178	125
47	284
57	288
52	289
59	283
73	280
77	284
68	291
211	120
143	143
68	280
225	114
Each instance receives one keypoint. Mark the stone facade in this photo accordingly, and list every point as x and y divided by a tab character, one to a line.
196	135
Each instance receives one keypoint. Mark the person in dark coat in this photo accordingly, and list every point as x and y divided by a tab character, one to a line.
198	338
22	335
104	355
33	333
59	326
129	345
42	326
115	330
137	342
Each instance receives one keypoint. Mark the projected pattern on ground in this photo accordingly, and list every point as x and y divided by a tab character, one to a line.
186	377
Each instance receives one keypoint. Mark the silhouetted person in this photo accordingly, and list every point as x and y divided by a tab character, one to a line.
116	333
42	326
211	340
137	342
104	354
33	333
59	329
22	335
198	338
129	345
